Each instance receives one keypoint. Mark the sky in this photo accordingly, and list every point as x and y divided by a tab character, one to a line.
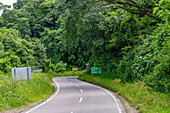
7	2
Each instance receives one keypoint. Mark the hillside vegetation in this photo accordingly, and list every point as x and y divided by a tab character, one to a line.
129	39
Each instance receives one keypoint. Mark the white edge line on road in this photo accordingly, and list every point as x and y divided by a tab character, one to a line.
108	93
81	98
111	96
56	92
77	86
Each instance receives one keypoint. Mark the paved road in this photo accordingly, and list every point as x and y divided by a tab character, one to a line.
75	96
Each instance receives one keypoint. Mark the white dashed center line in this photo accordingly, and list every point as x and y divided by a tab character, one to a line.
81	90
77	86
81	98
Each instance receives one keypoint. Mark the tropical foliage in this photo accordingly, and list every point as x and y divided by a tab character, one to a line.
129	39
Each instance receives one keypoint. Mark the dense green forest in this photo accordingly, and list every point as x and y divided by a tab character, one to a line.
129	39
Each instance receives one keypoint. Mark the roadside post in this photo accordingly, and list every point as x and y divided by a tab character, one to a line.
28	75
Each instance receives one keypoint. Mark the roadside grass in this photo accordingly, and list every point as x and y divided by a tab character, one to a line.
68	73
137	94
17	93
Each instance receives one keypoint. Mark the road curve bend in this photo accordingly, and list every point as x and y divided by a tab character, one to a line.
75	96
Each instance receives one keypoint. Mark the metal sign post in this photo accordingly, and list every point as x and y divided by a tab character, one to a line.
28	75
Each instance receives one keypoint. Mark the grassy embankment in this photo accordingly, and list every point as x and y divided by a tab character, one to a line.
14	94
137	94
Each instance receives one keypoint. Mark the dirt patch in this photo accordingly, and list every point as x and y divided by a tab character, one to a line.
52	84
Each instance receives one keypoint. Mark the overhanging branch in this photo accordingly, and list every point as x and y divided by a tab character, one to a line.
136	11
132	3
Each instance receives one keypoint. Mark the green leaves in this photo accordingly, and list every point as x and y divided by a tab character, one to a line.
15	51
162	10
3	7
119	36
154	59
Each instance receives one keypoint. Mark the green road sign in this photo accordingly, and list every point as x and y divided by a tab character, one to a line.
96	70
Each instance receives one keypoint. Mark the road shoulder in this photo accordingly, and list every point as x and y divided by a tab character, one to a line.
124	105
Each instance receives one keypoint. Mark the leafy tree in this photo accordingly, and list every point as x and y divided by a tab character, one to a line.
20	3
3	7
127	38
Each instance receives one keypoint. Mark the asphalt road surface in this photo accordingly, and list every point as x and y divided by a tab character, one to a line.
75	96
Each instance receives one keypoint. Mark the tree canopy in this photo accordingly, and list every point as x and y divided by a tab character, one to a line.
129	39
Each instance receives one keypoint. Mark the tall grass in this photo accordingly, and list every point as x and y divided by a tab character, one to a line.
138	94
16	93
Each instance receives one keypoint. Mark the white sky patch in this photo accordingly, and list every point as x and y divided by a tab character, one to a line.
7	2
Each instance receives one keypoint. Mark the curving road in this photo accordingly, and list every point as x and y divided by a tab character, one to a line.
75	96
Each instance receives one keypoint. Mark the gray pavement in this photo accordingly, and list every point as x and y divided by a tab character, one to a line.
75	96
